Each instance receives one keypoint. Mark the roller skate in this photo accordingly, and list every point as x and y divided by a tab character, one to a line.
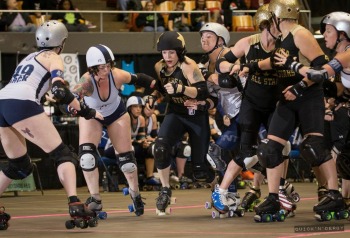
214	158
152	184
286	203
185	182
218	202
82	217
269	210
290	192
96	205
332	206
251	199
322	192
4	218
163	201
137	205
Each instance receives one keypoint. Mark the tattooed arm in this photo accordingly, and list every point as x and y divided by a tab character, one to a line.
194	77
84	87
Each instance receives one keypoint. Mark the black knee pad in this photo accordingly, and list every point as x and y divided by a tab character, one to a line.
150	150
269	153
183	150
88	156
313	150
162	153
127	162
63	154
18	168
343	165
246	151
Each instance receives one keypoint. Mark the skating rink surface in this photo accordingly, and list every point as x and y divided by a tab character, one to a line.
34	215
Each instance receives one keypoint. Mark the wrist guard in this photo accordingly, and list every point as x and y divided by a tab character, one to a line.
317	75
61	93
86	111
298	88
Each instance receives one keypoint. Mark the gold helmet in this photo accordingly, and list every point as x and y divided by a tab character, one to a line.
262	14
285	9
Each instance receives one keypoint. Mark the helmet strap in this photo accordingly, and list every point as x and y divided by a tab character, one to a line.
216	45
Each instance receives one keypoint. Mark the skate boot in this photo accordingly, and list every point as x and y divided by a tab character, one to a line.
152	184
137	206
286	203
234	202
185	182
96	205
269	210
82	217
251	199
219	200
332	206
4	218
163	201
290	192
322	192
214	158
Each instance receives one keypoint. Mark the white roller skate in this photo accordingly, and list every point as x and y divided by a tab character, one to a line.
290	192
286	203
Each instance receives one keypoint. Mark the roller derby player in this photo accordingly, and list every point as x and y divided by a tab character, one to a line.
336	29
32	79
302	102
180	79
100	89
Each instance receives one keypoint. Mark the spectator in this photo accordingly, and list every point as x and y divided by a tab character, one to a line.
255	4
125	5
198	19
17	22
147	20
178	21
72	20
228	6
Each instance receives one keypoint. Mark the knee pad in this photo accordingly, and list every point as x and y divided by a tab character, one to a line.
183	150
127	162
343	165
162	153
150	151
18	168
88	156
312	149
63	154
270	153
246	152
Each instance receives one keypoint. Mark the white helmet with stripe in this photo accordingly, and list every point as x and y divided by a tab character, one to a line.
99	54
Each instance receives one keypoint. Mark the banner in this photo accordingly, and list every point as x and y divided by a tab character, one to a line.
24	185
71	68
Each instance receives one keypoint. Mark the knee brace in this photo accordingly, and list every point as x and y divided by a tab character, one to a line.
162	151
127	162
88	156
63	154
270	153
18	168
343	165
312	149
183	150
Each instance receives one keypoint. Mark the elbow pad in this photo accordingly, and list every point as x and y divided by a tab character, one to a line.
335	65
61	93
229	57
319	61
228	81
202	90
217	64
142	80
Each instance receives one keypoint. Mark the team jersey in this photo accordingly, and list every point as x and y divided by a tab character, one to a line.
29	82
108	106
135	130
176	101
261	88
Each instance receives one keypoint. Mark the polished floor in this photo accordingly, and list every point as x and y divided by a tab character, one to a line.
34	215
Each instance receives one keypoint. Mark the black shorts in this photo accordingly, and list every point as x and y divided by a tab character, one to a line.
15	110
120	111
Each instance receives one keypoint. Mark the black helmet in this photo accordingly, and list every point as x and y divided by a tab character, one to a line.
172	40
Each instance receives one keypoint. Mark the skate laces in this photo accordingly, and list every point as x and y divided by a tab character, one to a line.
221	195
139	201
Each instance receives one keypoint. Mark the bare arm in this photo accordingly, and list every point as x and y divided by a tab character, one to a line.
84	86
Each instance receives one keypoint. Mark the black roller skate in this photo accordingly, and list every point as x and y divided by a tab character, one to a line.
251	199
322	192
163	201
137	205
82	217
287	204
4	218
214	158
269	210
290	192
332	206
185	182
96	205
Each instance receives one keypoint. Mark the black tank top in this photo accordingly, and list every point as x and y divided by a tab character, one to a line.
261	88
176	101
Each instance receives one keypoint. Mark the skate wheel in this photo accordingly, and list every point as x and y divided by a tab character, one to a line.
266	218
257	218
160	213
318	217
327	216
173	200
280	217
215	214
4	226
296	197
240	212
92	222
131	208
177	186
125	191
70	224
231	214
102	215
343	214
208	205
184	186
223	215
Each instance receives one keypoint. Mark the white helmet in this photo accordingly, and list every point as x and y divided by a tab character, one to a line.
51	34
340	21
218	29
99	54
134	100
